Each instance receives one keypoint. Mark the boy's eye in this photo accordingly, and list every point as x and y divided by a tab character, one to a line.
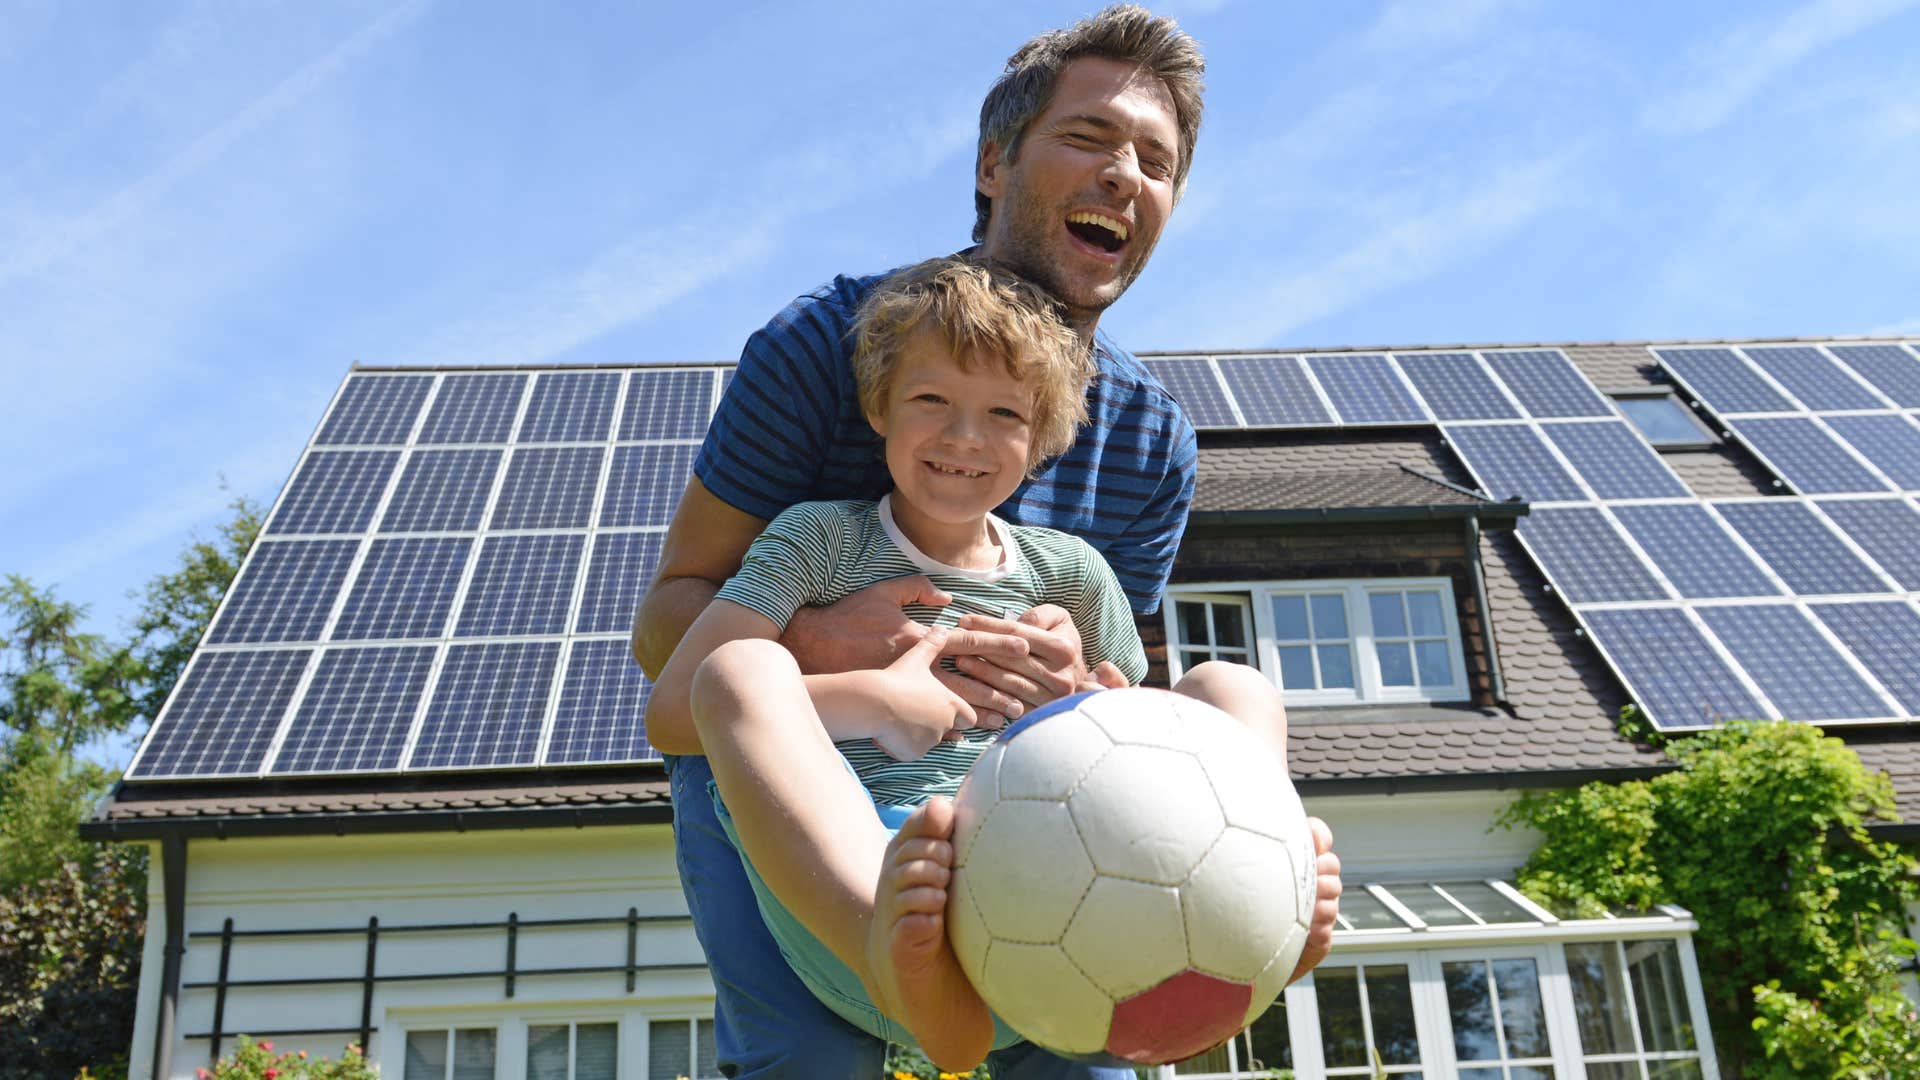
1013	414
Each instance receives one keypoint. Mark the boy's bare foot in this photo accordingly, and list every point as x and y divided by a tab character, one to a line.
918	980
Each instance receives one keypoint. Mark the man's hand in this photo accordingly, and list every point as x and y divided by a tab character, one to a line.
913	710
1050	667
1326	901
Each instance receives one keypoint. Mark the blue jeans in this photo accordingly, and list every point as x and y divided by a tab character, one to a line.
767	1024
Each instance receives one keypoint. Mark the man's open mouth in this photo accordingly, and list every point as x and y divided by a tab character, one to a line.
1106	233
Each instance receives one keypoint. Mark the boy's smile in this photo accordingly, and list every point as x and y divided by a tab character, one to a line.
956	444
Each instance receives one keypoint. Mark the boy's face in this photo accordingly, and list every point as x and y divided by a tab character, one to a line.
956	439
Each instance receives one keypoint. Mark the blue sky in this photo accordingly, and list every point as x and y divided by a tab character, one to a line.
208	211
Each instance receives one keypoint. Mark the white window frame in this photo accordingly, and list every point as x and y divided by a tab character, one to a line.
1368	688
510	1024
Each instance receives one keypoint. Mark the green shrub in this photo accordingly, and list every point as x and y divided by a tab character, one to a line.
258	1061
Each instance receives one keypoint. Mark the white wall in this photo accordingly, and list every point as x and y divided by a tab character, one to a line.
1422	835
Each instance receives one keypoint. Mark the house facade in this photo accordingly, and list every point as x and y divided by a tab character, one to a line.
400	797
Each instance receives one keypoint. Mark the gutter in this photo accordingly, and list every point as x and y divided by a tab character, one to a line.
367	822
1516	781
1355	515
1496	685
173	868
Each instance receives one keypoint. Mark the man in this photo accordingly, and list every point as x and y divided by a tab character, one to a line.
1085	145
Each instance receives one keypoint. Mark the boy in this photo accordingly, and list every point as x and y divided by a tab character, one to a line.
971	382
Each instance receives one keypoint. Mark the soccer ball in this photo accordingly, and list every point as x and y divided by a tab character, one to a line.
1133	877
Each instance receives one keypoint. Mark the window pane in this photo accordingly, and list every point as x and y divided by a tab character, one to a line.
667	1049
1296	667
1518	984
1343	1039
1396	663
1673	1070
473	1054
1481	1074
596	1050
1436	663
1470	1008
426	1055
1487	902
1659	995
1193	623
547	1052
1425	610
1336	666
1267	1038
1191	660
709	1058
1612	1070
1662	419
1600	1000
1213	1061
1390	999
1366	912
1389	620
1531	1072
1290	618
1329	616
1433	909
1229	628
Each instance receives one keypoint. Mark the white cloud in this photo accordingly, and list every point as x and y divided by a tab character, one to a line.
1725	72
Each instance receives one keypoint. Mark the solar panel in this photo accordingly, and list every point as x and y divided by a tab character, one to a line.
645	485
1615	461
1722	381
1891	368
441	491
1695	551
488	705
1891	442
1670	669
1190	380
522	586
1547	383
477	408
404	590
667	405
618	573
571	406
1510	460
549	487
1273	391
1818	382
603	700
1456	386
335	491
1804	552
1882	636
375	410
355	714
1796	667
1365	390
286	593
1585	558
1806	456
1888	530
222	716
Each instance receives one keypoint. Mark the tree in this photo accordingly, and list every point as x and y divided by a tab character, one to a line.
70	968
177	607
1761	832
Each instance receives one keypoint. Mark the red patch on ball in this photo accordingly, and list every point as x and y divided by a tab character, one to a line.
1185	1015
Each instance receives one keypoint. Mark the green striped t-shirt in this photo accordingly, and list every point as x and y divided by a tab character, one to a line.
816	553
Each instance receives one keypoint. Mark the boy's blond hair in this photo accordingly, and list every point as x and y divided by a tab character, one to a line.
981	311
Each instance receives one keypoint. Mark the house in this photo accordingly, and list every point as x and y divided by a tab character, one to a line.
399	798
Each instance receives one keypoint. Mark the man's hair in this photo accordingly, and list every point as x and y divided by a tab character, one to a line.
1124	32
980	313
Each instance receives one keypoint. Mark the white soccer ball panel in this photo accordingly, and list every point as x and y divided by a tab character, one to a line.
1037	990
1143	716
1240	905
1028	870
1269	984
1046	760
977	794
1146	813
965	928
1128	935
1252	785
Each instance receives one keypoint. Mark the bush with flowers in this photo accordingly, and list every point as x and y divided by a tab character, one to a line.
907	1063
257	1061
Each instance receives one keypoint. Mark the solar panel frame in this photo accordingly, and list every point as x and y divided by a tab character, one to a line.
1670	668
1196	386
487	707
1546	384
333	492
1889	441
223	714
1365	389
1722	381
442	490
1456	386
1804	454
599	717
1586	557
384	603
1513	459
571	406
288	590
474	407
1696	554
1799	548
674	404
1274	391
1888	530
1614	460
356	712
1892	370
549	487
1796	666
374	410
1815	381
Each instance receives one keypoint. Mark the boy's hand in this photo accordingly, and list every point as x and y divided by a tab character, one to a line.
1051	666
914	709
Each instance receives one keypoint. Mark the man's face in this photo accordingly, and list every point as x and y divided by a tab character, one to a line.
1080	207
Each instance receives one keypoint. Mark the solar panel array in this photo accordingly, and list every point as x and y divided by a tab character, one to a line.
447	581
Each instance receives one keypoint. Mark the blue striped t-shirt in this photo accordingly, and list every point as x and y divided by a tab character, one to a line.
789	430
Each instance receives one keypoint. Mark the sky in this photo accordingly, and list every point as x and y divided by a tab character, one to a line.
210	210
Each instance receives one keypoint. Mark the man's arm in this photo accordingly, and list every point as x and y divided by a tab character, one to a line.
704	544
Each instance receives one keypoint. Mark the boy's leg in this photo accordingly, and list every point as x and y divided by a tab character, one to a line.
812	835
1025	1061
767	1024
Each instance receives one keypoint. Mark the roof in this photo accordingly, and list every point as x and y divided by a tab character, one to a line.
1314	477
